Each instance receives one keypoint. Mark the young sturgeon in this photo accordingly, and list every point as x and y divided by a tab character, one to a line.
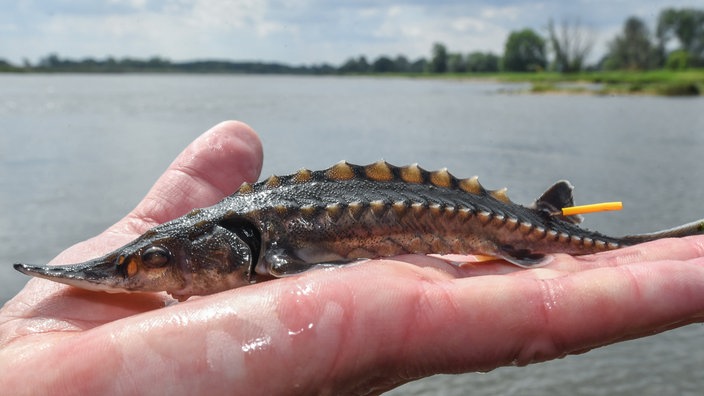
289	224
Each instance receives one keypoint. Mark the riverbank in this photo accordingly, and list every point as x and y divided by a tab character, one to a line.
657	82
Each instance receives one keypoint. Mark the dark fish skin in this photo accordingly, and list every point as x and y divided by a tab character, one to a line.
289	224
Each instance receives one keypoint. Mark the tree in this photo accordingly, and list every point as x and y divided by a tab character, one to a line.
50	61
438	64
633	49
687	25
524	51
419	65
480	62
383	64
571	45
363	65
402	64
352	65
456	63
5	65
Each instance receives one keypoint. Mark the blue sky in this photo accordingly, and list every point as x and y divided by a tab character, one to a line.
292	31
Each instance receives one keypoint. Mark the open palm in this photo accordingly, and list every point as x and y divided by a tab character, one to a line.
358	329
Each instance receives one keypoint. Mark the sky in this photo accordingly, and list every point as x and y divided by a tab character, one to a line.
294	31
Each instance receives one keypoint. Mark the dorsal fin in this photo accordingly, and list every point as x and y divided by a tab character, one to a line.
555	198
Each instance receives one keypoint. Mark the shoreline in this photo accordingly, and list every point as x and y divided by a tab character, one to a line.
654	83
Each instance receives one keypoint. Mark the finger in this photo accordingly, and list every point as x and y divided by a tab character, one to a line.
686	248
556	265
476	324
352	322
213	166
210	168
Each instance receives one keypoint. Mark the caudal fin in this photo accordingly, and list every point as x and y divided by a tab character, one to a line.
693	228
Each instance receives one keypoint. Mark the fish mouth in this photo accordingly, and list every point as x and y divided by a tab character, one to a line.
99	274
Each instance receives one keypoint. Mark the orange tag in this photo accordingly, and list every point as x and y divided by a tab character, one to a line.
597	207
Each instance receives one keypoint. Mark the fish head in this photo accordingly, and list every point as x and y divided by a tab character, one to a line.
182	259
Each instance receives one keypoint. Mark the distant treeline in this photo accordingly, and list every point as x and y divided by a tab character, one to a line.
676	44
55	64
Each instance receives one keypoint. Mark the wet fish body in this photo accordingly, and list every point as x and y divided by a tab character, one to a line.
288	224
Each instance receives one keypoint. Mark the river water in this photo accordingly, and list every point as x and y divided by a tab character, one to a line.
77	152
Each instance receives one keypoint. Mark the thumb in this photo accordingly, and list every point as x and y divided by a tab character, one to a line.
210	168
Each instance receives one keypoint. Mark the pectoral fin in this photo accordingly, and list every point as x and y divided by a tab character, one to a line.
525	258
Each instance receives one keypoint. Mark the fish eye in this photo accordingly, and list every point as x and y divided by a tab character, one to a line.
156	256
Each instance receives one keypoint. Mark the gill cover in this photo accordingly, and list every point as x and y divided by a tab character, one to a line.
207	258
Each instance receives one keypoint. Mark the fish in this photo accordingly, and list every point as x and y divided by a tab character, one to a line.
286	225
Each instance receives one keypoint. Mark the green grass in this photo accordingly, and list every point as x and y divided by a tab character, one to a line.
550	87
657	82
653	76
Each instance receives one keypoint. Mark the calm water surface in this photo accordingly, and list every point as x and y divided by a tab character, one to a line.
78	152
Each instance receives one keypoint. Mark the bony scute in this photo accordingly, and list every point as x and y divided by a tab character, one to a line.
292	223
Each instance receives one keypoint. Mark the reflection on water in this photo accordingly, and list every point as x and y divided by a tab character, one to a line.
77	152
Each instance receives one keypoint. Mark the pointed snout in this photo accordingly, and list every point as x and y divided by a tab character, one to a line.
100	274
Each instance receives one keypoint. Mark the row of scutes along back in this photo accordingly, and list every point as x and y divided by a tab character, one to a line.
382	171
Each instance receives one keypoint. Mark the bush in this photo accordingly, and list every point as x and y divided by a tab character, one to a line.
679	89
678	60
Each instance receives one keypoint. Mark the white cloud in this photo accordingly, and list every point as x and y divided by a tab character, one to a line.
136	4
295	31
226	15
396	24
510	13
468	24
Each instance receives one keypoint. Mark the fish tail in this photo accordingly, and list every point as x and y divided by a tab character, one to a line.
693	228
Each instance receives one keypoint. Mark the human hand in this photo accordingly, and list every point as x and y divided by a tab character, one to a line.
361	328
